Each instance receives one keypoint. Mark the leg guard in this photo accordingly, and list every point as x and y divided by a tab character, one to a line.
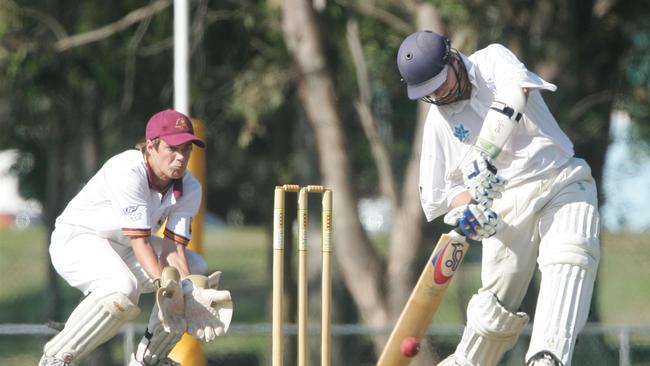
452	360
95	320
569	253
563	303
155	344
491	331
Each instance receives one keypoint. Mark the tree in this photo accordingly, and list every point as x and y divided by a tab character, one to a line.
363	269
562	42
74	92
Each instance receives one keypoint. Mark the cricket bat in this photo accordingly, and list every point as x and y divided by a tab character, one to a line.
425	297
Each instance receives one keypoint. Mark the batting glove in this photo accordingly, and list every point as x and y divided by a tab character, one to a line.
481	179
475	221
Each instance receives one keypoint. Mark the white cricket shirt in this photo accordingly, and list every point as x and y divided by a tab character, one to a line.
119	202
536	147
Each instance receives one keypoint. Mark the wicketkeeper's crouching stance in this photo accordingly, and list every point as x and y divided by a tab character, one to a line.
102	245
193	305
487	112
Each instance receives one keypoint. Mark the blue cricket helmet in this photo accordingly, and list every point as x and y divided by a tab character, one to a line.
423	61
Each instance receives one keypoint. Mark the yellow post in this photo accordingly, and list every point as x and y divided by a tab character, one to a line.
189	351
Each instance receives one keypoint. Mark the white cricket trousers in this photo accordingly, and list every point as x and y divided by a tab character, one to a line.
554	223
540	220
95	264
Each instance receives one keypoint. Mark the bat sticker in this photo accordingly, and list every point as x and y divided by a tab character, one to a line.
425	297
446	262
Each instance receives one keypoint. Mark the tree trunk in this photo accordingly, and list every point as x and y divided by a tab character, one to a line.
361	267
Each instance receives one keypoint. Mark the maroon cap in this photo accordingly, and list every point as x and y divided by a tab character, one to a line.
172	127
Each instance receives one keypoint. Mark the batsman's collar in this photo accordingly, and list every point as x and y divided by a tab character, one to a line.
173	127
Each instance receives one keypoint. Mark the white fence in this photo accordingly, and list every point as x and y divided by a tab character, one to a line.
131	332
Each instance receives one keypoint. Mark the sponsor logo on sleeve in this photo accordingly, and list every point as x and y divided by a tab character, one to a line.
134	213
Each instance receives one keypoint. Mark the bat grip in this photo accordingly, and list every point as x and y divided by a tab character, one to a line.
460	233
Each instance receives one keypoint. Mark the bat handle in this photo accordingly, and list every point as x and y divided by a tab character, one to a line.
458	235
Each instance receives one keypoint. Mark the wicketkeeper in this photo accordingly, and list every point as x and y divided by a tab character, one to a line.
488	114
102	245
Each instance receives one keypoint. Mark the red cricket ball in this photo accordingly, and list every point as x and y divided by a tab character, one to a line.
409	346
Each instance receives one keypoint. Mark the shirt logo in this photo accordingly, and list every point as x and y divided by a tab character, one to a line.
581	186
461	133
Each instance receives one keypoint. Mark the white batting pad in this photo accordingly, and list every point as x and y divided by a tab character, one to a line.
491	331
568	261
453	361
156	343
94	321
562	309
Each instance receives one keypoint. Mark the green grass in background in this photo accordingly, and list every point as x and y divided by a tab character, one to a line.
624	279
23	264
242	255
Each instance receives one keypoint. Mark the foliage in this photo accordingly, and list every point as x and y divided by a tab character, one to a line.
240	254
243	84
637	79
68	110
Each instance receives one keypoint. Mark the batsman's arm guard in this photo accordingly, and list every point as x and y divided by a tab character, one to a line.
504	114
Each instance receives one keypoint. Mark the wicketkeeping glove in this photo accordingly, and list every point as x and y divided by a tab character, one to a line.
208	310
481	179
169	298
475	221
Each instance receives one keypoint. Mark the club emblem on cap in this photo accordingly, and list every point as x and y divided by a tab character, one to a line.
181	123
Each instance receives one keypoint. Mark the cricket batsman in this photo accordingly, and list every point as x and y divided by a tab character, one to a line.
102	245
487	115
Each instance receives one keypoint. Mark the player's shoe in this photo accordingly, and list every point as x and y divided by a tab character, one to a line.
543	359
51	361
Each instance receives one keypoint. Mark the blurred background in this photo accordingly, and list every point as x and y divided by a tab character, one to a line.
308	92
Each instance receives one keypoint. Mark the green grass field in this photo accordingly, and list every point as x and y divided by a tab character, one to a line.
242	255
